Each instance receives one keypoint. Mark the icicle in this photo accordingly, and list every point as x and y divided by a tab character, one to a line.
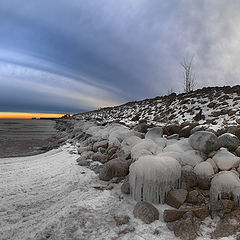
151	177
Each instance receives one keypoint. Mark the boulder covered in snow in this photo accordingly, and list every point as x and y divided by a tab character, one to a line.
204	141
229	141
151	177
146	212
226	160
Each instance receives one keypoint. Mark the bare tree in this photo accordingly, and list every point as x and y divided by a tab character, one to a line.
189	75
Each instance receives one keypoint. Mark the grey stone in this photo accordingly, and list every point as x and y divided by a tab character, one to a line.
204	141
229	141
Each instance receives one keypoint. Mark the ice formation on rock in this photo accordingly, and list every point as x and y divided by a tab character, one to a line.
145	147
154	133
225	182
151	177
192	158
129	142
226	160
175	155
204	170
180	146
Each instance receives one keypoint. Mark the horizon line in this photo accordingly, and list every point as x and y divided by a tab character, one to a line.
27	115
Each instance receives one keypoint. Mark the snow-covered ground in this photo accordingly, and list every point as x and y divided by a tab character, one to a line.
219	106
49	196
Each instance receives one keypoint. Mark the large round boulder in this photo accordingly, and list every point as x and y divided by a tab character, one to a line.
204	172
154	133
151	177
192	158
204	141
225	183
229	141
144	147
115	168
226	160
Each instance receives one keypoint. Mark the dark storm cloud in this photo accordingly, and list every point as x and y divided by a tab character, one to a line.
77	55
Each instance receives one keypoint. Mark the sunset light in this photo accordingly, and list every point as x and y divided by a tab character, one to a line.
19	115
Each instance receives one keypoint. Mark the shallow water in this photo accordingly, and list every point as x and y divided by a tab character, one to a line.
22	137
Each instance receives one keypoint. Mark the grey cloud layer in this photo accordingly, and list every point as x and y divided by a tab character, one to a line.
124	50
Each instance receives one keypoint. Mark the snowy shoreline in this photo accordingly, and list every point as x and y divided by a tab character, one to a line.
49	196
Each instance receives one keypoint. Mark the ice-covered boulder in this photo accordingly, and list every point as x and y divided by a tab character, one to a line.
154	133
175	155
192	158
225	182
145	147
129	142
226	160
151	177
161	144
117	136
171	141
204	171
204	141
180	146
229	141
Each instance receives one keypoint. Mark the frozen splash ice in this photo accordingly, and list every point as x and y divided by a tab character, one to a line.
225	182
151	177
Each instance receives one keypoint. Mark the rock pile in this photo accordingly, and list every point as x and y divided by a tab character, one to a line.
198	176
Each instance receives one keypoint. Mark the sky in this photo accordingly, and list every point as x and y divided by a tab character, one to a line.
68	56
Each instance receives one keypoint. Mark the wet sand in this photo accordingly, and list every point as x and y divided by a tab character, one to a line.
25	137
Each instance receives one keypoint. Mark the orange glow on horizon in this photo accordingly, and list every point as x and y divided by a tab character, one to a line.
16	115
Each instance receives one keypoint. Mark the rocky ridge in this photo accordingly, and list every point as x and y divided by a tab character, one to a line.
208	184
190	162
211	107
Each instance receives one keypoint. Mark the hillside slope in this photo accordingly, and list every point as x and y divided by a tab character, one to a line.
214	107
